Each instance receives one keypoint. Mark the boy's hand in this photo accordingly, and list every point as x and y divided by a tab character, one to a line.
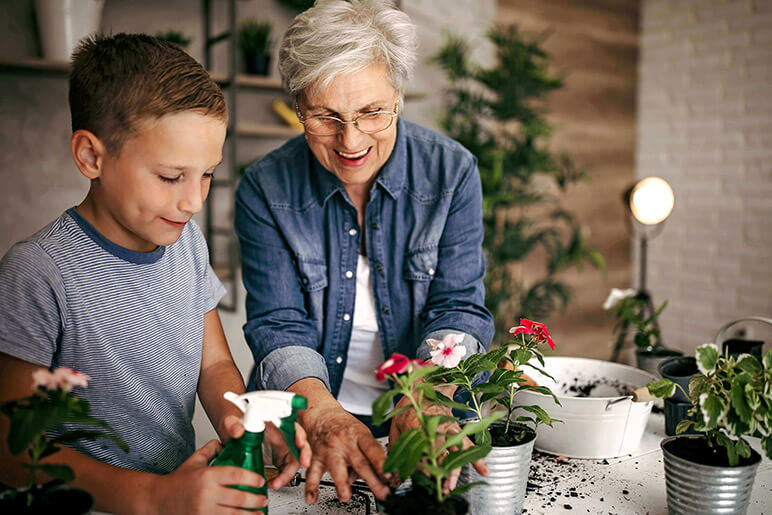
282	458
197	488
233	426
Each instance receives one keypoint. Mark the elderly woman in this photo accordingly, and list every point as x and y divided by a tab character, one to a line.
360	239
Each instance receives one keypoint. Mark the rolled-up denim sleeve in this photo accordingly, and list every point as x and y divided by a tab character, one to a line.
285	366
456	301
279	332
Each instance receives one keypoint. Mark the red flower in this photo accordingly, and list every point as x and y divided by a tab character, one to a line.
396	364
535	329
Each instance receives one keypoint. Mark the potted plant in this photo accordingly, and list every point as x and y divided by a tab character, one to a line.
40	423
512	438
175	36
732	399
255	43
631	310
426	454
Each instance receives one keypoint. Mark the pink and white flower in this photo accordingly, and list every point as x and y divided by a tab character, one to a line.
448	352
616	296
63	377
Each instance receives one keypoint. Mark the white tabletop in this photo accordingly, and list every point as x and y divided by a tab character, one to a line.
633	484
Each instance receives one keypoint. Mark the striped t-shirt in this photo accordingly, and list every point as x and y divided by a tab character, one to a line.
132	321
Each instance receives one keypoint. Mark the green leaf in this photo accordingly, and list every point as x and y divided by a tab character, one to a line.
707	357
25	426
469	429
406	452
460	490
420	372
712	407
683	426
767	359
381	406
61	472
456	459
541	415
742	448
664	388
739	402
750	364
766	445
396	411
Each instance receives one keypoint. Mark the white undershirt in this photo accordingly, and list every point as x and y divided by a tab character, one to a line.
359	388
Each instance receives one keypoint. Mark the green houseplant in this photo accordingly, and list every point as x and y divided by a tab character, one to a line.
255	44
426	454
497	113
732	400
40	423
175	36
631	309
493	381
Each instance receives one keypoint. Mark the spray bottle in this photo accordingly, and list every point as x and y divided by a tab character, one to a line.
279	408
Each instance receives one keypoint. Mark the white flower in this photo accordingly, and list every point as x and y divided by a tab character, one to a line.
448	352
616	296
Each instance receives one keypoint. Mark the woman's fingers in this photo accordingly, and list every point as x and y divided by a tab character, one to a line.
313	476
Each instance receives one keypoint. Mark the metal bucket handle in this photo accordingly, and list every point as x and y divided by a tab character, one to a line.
719	339
617	401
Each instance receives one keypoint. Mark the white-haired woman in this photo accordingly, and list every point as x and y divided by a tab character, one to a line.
358	240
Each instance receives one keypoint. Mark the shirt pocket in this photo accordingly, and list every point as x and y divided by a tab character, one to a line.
420	269
313	281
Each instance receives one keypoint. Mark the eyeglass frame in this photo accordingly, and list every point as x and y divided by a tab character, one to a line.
343	123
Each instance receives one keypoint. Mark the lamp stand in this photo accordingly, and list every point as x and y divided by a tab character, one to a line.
648	309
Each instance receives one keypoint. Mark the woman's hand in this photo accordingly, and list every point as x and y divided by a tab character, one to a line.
345	448
408	420
197	488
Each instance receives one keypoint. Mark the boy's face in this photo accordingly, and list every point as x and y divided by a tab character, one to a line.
144	197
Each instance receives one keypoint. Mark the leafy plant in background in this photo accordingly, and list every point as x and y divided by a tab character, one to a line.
630	308
731	397
298	5
36	417
426	451
497	114
175	36
254	36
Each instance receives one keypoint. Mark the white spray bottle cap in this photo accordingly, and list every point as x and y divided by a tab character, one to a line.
261	407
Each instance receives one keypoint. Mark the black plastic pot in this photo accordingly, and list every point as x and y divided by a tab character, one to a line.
650	358
675	412
737	346
63	500
679	370
257	64
410	499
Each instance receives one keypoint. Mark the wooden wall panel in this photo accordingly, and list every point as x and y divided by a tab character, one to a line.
595	44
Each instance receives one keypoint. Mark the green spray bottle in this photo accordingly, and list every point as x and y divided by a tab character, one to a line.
279	408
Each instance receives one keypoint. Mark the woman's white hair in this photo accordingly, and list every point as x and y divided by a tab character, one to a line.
336	37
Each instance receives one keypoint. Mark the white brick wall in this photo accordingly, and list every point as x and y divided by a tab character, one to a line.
705	125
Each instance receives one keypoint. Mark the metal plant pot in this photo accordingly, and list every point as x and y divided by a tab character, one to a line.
649	359
504	488
693	488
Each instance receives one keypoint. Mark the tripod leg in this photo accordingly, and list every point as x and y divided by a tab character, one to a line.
620	342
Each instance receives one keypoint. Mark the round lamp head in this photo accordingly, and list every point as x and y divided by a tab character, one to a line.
651	200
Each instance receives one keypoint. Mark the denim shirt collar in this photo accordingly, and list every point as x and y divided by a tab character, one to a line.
391	177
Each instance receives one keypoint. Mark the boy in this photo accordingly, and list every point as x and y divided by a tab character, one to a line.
120	287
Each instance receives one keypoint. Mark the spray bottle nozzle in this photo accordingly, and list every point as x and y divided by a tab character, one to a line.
279	408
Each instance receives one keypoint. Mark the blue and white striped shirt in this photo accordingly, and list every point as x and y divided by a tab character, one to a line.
132	321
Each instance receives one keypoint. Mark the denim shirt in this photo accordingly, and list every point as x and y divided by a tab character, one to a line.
300	239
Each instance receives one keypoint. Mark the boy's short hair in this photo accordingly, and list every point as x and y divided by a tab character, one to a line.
117	81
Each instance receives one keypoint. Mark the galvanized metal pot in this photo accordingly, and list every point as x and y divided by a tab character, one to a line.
693	488
504	491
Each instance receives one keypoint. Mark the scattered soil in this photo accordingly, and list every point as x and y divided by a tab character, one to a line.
595	387
698	451
545	473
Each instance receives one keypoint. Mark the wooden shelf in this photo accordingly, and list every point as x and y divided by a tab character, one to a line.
34	65
260	130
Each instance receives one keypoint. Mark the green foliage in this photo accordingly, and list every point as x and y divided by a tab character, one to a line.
417	451
32	421
254	36
299	5
497	114
731	397
502	385
174	36
630	308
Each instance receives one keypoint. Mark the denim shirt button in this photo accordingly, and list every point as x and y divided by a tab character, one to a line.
346	317
339	360
379	268
349	274
352	232
305	280
431	271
